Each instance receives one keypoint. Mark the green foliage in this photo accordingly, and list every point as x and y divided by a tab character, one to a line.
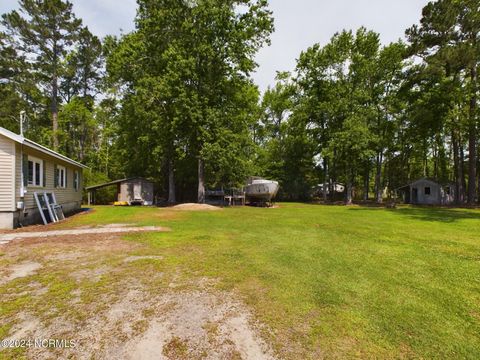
178	103
82	77
51	69
78	129
380	117
44	31
191	98
338	112
105	195
448	42
16	87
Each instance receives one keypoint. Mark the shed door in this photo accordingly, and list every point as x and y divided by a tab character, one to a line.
414	196
137	191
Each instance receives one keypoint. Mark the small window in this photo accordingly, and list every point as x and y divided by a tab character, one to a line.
447	190
76	180
35	171
427	190
30	172
61	176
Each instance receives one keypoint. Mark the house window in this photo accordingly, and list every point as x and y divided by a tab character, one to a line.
447	190
61	176
35	171
427	190
76	180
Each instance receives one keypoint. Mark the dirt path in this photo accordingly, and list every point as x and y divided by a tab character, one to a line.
5	238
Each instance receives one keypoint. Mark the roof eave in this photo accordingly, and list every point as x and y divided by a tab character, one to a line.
46	150
32	144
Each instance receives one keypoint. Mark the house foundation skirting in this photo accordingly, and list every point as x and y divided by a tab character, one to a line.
32	216
6	220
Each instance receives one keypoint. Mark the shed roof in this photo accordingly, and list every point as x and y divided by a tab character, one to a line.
430	180
33	145
119	181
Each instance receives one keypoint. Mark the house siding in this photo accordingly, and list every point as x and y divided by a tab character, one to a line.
68	197
7	174
433	199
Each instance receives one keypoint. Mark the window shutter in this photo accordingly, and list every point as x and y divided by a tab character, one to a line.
55	176
44	164
66	172
25	170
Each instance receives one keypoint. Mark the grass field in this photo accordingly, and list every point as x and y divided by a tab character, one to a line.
327	281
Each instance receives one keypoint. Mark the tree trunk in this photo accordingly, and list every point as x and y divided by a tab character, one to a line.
478	175
201	181
366	184
472	140
457	169
378	179
333	177
325	180
54	104
462	173
425	165
349	200
171	183
54	107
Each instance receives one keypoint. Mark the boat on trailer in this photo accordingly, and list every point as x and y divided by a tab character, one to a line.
261	191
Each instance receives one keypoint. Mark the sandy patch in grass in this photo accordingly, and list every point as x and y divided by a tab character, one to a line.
94	274
21	270
26	327
70	248
194	324
66	256
5	238
137	258
199	324
196	207
138	312
110	226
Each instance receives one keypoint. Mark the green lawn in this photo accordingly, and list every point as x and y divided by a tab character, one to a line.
333	282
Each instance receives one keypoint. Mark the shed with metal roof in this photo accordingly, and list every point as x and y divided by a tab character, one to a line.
131	191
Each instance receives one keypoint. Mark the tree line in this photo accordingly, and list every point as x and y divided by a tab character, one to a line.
174	100
377	117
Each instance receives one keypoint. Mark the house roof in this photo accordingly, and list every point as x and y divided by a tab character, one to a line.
33	145
119	181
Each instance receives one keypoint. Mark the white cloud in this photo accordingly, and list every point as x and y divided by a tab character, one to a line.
106	17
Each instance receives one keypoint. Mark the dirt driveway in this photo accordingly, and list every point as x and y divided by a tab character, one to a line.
110	298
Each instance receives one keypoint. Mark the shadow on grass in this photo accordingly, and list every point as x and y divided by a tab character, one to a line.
429	214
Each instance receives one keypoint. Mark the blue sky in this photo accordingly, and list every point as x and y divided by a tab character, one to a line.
299	24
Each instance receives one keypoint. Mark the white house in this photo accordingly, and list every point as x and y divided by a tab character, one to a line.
27	167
